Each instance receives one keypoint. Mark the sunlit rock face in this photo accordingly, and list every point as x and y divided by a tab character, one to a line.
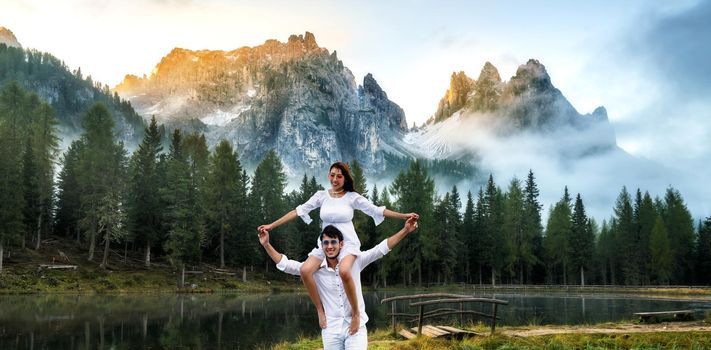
8	38
295	97
526	104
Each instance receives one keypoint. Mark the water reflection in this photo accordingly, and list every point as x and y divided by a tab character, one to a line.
228	321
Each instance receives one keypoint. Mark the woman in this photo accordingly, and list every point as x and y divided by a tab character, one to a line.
337	205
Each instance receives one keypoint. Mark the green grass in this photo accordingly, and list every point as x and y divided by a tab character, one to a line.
382	339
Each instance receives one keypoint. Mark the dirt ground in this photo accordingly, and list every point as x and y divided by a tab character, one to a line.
700	326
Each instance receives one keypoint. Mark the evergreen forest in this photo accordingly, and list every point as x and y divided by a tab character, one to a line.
185	204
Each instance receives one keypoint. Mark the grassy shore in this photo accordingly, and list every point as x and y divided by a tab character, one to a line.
26	271
126	273
689	335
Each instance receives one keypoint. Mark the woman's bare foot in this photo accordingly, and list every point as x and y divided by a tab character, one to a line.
322	319
355	324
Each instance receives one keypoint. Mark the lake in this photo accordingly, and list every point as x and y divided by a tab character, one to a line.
238	321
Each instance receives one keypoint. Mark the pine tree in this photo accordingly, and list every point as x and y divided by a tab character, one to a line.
224	190
533	229
494	243
454	218
68	198
603	252
680	228
268	195
625	238
582	240
415	192
447	244
185	228
468	238
521	253
100	179
480	249
645	217
557	240
661	253
392	264
703	253
30	190
11	196
144	203
45	145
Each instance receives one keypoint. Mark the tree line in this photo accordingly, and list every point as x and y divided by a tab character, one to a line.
187	204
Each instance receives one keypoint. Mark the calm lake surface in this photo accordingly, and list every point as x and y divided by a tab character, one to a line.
230	321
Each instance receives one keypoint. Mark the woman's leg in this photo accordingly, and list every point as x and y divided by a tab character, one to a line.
345	270
307	275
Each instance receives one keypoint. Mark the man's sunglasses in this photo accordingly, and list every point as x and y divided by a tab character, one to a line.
327	242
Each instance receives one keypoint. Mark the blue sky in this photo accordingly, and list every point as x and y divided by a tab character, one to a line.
647	62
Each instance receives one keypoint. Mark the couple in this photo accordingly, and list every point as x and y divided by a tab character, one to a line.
338	250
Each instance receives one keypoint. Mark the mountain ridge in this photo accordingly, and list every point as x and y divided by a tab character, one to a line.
294	97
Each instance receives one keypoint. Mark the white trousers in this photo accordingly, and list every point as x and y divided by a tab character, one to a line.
336	337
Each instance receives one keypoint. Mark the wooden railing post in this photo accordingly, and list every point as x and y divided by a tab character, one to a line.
419	323
447	298
461	315
493	320
393	312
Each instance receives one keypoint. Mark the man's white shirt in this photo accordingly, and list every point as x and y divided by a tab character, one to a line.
330	286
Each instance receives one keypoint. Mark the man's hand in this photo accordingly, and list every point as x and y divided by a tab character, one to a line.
411	224
263	237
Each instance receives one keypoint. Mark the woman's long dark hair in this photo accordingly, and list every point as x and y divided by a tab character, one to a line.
348	184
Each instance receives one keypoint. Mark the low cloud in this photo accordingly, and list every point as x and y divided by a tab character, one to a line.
560	158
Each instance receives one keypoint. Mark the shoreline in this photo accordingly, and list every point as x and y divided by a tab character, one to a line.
161	280
620	335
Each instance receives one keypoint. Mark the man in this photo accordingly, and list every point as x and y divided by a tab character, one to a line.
330	287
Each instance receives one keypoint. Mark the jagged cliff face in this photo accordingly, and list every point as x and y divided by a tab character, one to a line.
527	107
8	38
294	97
528	101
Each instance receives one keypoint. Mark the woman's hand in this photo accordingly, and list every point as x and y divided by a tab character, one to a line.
263	228
409	216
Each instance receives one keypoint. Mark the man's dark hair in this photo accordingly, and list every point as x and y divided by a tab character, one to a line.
332	232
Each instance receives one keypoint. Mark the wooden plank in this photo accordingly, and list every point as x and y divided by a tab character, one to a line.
437	331
430	295
427	332
467	312
661	313
56	267
407	334
458	300
431	331
459	333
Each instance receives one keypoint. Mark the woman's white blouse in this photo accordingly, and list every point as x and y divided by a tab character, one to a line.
339	212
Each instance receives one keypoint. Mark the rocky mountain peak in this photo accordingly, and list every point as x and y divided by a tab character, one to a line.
8	38
600	114
532	75
293	97
489	73
487	89
371	87
527	102
460	86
